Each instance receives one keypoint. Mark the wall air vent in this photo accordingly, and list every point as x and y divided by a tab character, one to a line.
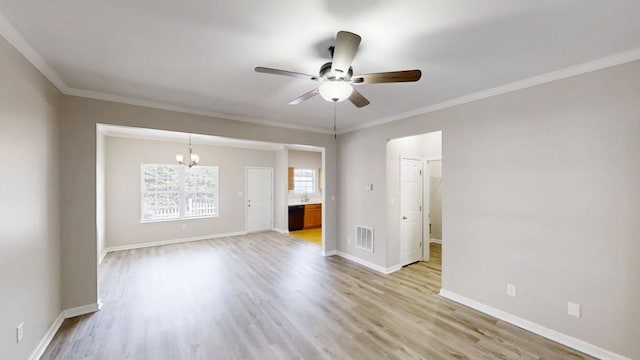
364	238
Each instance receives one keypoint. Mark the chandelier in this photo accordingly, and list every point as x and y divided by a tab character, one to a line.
193	158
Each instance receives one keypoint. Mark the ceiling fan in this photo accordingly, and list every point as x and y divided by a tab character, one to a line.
336	77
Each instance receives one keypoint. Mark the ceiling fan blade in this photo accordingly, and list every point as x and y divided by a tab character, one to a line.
357	99
304	97
345	50
387	77
285	73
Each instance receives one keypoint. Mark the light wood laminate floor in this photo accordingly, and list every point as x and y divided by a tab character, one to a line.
271	296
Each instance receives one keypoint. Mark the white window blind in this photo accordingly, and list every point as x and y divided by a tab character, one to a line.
304	181
171	192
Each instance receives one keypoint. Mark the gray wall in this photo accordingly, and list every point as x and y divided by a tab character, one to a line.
101	193
435	198
542	191
124	156
29	215
305	159
79	117
281	188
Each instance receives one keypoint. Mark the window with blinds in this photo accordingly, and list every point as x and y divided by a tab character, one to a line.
172	192
304	181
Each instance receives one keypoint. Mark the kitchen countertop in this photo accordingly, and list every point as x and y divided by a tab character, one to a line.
310	202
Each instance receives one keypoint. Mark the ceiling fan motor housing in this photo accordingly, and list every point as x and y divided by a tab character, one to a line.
327	74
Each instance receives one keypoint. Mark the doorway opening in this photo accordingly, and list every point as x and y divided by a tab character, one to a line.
414	186
305	193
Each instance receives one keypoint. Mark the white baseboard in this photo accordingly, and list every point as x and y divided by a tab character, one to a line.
280	231
102	255
556	336
329	253
46	339
393	268
172	241
368	264
81	310
436	241
65	314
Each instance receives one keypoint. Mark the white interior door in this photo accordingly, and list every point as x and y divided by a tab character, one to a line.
411	210
259	199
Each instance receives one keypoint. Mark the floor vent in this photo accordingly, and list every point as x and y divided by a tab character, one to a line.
364	238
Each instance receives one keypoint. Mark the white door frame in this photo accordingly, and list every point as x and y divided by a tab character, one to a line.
402	157
426	254
246	194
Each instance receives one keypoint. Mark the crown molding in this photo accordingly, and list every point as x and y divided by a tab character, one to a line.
97	95
590	66
9	32
13	37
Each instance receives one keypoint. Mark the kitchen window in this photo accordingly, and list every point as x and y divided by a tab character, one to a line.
304	181
173	192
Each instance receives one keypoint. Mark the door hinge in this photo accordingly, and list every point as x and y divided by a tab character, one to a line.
420	208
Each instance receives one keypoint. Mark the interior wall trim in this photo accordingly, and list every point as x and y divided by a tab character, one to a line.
587	67
81	310
9	32
14	38
370	265
543	331
46	339
53	329
172	241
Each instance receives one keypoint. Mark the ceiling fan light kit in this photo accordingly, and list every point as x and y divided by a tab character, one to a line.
336	91
336	77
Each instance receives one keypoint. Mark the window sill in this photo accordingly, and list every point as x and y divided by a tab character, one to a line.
178	219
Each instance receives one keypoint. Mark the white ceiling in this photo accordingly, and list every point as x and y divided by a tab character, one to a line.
200	54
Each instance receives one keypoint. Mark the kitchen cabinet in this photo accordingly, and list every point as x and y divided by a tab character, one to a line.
290	179
312	216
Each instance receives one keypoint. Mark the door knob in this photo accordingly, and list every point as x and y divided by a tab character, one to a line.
404	218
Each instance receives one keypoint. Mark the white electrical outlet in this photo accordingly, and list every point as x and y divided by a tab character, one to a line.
573	309
512	290
19	332
349	240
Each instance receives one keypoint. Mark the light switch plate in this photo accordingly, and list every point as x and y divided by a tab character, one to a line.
512	290
573	309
